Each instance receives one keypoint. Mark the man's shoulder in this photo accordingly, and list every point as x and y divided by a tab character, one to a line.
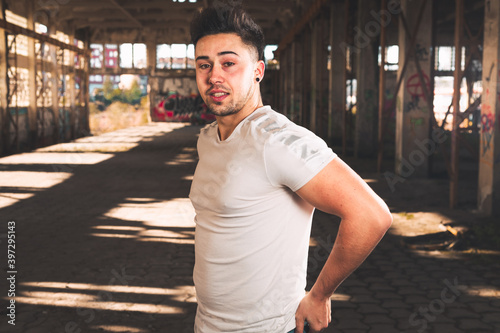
269	123
275	127
207	129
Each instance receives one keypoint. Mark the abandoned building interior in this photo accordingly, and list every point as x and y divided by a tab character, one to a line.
412	86
323	71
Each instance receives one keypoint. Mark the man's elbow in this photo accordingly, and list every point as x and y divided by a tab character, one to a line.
383	218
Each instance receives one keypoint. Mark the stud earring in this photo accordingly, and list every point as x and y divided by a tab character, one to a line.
257	79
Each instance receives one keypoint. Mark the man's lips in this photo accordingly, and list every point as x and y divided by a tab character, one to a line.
218	95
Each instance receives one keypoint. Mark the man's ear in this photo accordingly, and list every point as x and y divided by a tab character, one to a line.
260	68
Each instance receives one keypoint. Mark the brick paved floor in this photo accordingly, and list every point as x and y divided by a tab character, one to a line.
104	243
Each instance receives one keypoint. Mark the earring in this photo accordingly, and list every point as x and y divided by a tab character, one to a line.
257	79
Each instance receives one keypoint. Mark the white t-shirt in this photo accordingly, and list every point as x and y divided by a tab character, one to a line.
252	230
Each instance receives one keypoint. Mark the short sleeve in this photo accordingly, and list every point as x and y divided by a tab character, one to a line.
294	156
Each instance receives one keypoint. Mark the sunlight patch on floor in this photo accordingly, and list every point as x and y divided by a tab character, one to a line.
116	328
7	199
182	289
172	213
411	224
56	158
32	179
62	296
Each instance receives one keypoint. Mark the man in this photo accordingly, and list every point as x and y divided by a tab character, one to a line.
257	182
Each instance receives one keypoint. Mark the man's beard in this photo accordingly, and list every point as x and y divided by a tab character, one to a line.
218	109
224	111
234	106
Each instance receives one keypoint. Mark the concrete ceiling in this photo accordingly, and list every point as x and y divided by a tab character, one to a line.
167	21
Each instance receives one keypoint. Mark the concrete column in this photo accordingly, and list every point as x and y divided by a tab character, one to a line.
366	47
412	109
4	90
313	99
299	78
84	123
306	79
54	79
153	85
336	83
71	90
323	75
284	84
292	80
32	108
489	153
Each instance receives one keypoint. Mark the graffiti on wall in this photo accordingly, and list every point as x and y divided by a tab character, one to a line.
487	128
416	91
175	107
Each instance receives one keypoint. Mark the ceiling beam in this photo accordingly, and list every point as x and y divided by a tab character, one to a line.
141	17
124	11
311	13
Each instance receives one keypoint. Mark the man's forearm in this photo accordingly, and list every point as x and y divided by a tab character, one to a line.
355	241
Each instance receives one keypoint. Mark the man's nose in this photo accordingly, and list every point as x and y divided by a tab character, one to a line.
216	75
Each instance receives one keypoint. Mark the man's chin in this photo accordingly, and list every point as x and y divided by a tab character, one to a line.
222	112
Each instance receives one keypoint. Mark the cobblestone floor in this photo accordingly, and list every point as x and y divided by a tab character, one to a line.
104	243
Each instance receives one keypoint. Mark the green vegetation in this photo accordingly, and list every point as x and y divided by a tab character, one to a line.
106	95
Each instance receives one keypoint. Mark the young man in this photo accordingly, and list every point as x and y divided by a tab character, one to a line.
258	180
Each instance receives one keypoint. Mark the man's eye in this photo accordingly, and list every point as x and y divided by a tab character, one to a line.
228	64
204	66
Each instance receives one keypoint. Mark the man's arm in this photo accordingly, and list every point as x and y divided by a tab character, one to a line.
365	218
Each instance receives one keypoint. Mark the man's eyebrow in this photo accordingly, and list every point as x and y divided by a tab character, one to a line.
227	52
218	54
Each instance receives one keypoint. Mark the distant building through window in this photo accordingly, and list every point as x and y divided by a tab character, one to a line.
175	56
391	58
96	55
179	53
163	56
111	55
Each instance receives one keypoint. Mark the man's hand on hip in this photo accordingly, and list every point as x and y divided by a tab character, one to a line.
316	311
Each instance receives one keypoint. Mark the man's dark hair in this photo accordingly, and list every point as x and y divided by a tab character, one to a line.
228	19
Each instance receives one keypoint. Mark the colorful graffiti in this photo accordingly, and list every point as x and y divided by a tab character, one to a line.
414	86
487	128
421	53
417	92
175	107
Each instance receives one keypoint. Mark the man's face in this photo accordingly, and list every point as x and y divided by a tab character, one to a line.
226	70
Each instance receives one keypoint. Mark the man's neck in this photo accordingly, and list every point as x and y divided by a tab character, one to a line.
227	124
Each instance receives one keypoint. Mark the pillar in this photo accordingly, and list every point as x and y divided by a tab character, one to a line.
4	89
489	152
284	84
153	85
71	89
366	47
413	114
306	78
455	148
298	84
293	66
315	64
54	79
336	82
32	108
84	122
323	75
